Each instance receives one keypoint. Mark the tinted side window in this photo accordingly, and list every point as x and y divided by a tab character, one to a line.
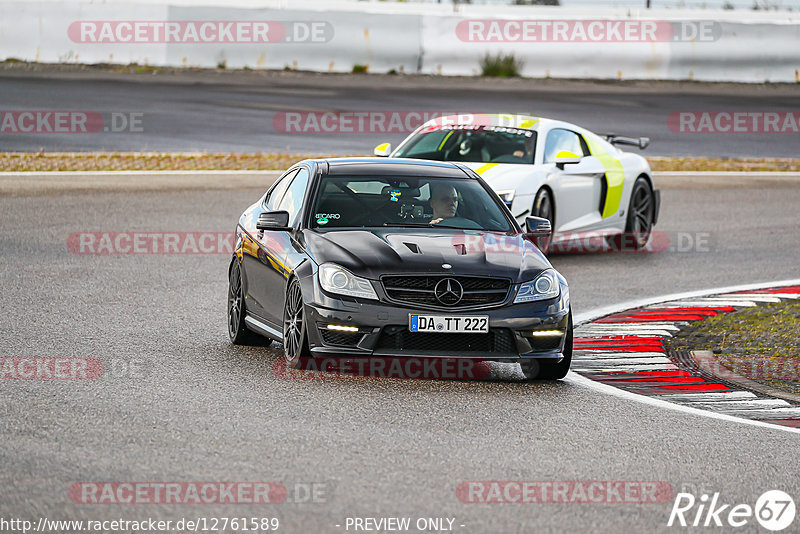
558	140
276	194
293	198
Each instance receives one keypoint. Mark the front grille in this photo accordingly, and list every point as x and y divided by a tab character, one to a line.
477	290
340	339
398	338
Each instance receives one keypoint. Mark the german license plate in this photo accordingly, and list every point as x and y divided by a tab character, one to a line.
448	324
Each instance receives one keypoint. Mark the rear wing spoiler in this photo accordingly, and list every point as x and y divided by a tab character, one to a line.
614	139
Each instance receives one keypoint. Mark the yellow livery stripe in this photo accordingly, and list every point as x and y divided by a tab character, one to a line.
483	168
527	123
615	176
446	137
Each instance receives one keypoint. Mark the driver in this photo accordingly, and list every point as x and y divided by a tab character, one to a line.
526	154
444	201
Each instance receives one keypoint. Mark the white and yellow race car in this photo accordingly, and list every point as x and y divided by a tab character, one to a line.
576	179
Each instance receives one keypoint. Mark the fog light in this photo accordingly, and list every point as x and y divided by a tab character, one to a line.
547	333
342	328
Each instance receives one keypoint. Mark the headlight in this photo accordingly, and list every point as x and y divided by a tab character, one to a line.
336	279
544	286
507	196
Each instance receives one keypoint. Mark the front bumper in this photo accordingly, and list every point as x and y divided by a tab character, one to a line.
383	329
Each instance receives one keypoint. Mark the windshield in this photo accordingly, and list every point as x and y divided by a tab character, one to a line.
484	144
383	201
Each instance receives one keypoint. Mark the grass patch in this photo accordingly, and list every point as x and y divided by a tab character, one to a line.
113	161
759	343
500	66
142	69
724	164
149	161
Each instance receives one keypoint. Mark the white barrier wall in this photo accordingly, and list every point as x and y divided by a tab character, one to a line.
739	46
734	51
346	40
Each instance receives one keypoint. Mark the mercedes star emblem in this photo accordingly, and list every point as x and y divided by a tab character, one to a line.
448	291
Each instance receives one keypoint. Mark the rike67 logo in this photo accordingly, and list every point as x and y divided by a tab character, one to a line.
774	510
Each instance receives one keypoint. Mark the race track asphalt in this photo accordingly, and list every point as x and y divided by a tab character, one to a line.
179	403
220	111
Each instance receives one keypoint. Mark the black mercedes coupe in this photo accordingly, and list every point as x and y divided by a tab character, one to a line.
380	257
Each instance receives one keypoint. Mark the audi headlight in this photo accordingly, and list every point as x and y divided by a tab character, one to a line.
545	286
507	196
336	279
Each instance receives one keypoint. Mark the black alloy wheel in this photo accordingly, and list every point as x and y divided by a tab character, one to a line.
295	340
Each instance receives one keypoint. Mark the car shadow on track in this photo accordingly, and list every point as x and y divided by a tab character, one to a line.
397	369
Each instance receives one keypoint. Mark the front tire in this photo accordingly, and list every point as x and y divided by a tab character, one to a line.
295	338
548	369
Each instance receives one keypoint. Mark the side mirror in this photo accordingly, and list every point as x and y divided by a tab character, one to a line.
383	150
566	158
273	220
586	165
537	226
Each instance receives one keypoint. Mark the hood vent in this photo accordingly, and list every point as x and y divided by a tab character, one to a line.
413	247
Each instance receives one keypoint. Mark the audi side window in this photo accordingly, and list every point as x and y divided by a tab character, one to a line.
293	198
559	140
275	195
426	143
